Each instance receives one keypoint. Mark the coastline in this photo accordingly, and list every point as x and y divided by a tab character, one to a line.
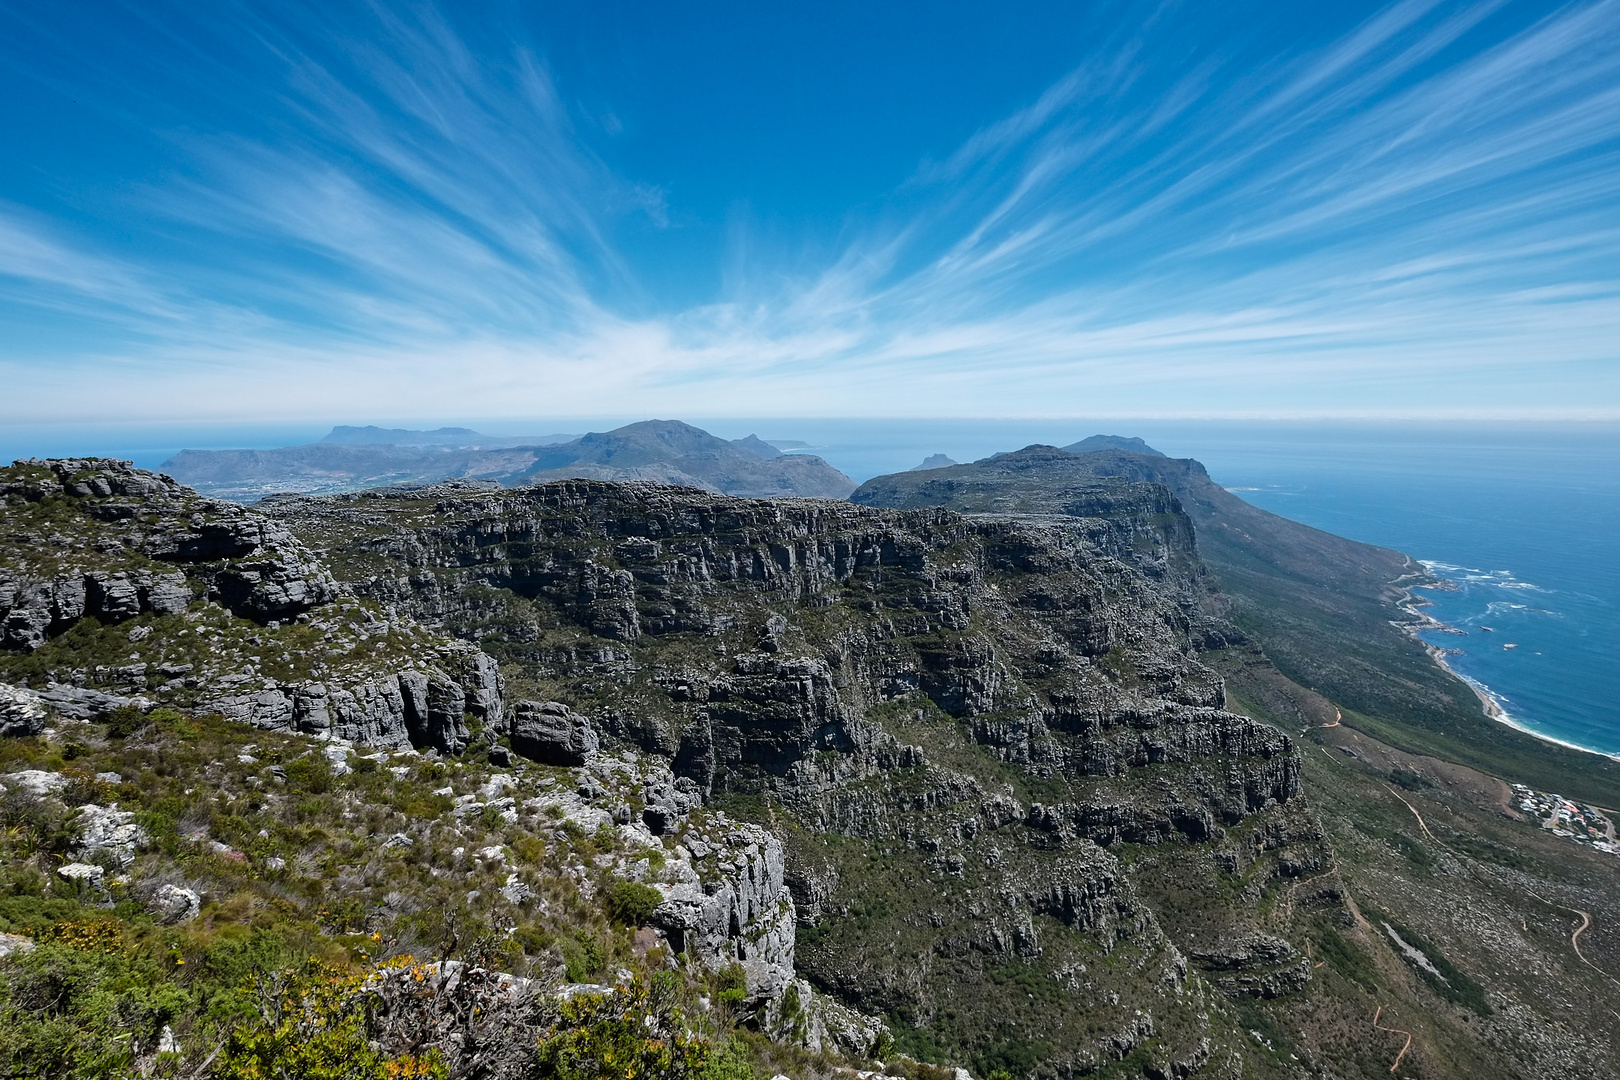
1410	603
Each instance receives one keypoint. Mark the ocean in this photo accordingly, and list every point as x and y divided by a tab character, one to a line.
1523	519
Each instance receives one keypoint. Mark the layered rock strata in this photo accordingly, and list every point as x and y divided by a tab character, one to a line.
119	587
955	721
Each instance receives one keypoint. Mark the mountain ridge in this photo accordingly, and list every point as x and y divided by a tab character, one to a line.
966	786
1331	613
356	458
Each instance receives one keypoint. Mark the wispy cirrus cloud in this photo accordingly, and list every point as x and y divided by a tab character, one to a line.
1423	210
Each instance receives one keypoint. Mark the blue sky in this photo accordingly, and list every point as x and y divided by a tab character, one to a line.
238	211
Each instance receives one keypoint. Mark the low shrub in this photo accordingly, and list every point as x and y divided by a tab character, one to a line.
632	903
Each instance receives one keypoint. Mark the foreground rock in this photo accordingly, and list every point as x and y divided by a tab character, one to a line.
551	732
175	904
207	606
22	712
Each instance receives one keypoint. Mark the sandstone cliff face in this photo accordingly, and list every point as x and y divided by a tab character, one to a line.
119	586
939	737
1063	644
955	722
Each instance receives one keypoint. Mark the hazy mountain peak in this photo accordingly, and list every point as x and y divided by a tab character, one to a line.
934	461
372	435
672	451
1129	444
757	446
662	451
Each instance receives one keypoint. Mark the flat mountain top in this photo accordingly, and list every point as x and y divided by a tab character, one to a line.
1130	445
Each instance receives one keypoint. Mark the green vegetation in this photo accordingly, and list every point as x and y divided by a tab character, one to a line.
630	902
1346	958
302	962
1452	983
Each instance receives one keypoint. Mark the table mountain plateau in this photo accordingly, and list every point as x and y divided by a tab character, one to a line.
973	772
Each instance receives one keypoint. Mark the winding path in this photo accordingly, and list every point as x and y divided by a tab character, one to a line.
1575	938
1424	827
1393	1031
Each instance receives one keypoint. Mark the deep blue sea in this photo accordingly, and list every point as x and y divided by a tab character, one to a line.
1525	518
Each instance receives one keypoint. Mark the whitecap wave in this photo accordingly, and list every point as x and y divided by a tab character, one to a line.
1436	565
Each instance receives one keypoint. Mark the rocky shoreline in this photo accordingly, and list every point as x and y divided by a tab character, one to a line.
1489	702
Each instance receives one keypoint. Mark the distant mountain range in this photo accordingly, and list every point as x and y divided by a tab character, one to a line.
355	458
458	437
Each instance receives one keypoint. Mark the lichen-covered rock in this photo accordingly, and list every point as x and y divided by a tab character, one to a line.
740	912
172	904
108	833
22	711
83	874
36	782
164	542
1256	964
234	615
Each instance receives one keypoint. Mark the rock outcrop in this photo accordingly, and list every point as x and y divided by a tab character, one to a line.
22	712
172	904
108	834
550	732
178	599
144	527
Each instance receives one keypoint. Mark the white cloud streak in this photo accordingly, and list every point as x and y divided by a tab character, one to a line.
1390	221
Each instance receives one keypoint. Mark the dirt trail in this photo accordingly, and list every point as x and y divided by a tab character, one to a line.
1575	938
1337	716
1415	814
1393	1031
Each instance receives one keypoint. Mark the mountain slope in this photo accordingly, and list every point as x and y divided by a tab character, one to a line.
669	451
352	458
1326	610
970	772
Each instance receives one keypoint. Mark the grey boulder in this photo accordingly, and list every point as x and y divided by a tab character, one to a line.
37	782
22	712
83	874
111	831
174	904
552	733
